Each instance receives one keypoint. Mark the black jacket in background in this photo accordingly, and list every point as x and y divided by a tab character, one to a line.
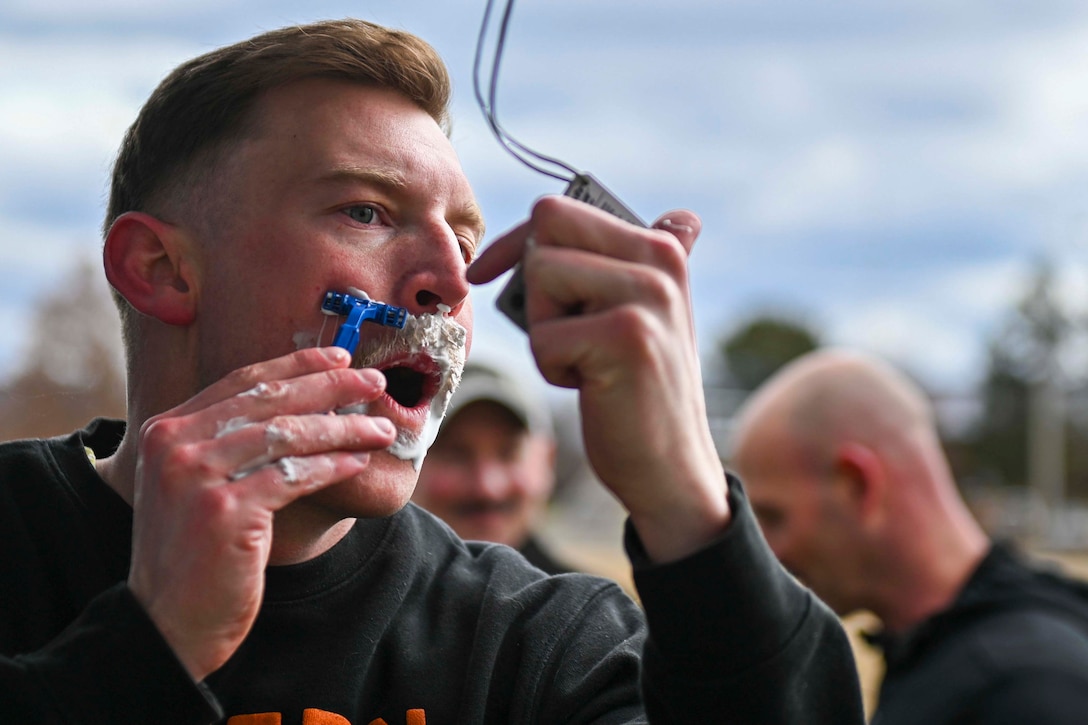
1011	650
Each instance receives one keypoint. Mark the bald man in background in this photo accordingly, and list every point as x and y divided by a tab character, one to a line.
842	461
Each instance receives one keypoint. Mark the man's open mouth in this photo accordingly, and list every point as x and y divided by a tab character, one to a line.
409	387
422	365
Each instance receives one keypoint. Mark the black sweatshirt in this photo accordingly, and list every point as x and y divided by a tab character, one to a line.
1011	649
402	623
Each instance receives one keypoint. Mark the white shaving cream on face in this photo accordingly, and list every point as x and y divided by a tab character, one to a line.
443	340
436	335
305	339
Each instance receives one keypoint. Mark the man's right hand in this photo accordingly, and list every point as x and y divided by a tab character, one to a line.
212	472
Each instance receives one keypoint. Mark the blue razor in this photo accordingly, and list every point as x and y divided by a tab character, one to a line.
359	311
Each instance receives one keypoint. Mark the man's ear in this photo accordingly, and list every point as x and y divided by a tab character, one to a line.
149	263
863	480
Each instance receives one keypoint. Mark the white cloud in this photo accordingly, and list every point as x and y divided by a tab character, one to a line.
940	354
940	329
69	10
826	182
67	103
977	291
41	249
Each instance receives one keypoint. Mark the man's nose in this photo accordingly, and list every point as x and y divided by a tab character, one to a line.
436	274
489	479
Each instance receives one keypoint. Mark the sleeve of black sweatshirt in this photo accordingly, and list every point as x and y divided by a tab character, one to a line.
734	638
111	665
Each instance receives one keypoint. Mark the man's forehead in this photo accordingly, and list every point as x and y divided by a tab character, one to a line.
768	459
347	132
366	121
759	435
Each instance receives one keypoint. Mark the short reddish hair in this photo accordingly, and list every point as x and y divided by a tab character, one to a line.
205	104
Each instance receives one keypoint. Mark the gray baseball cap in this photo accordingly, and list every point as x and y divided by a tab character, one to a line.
497	384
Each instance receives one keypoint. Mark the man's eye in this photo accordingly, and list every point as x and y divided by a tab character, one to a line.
362	214
468	248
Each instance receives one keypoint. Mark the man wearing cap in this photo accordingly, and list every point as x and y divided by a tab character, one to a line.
491	470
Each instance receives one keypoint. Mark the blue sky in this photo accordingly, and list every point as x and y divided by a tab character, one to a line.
887	172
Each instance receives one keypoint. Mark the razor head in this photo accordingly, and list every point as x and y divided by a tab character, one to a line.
584	188
358	311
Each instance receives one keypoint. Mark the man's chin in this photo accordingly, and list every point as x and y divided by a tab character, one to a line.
382	489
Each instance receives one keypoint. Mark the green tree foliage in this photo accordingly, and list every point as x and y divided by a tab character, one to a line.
759	347
72	371
1033	345
998	448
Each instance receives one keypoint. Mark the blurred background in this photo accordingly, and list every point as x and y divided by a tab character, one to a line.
907	177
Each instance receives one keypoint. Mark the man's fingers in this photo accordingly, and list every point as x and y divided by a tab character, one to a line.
563	222
564	282
238	452
500	255
275	485
318	392
682	224
315	393
564	347
297	364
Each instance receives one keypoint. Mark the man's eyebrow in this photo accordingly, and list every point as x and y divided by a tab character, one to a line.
468	215
386	178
